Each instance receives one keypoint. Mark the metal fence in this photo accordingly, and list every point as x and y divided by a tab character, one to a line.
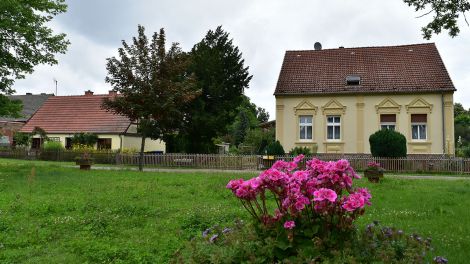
412	163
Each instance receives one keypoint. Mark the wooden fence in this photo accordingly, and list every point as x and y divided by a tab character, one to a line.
432	163
412	163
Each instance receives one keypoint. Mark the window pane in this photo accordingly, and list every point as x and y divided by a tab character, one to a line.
337	119
309	132
308	119
330	132
391	127
337	132
422	131
302	132
414	132
330	119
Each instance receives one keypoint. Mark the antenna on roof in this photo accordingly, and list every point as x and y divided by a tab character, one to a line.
55	81
317	46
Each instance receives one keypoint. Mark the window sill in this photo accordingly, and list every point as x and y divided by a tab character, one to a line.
300	142
419	142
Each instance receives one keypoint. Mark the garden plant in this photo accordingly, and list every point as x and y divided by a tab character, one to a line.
307	216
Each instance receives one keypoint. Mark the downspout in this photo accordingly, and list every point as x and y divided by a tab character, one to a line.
443	125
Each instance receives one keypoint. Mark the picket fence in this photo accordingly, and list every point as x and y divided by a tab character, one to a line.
412	163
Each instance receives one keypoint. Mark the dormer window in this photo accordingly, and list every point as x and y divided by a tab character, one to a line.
353	80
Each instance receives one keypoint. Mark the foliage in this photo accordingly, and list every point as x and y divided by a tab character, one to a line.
25	38
111	216
222	78
461	130
242	244
41	132
275	148
10	108
84	138
300	150
445	15
53	146
262	115
154	85
22	139
81	148
259	139
387	143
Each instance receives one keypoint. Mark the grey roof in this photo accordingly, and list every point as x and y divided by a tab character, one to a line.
31	103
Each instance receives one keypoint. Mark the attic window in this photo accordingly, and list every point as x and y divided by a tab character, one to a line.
353	80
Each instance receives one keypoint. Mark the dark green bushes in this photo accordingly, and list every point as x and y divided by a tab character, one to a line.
387	143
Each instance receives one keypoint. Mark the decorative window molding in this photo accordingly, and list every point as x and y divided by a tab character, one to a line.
305	108
333	107
388	105
419	105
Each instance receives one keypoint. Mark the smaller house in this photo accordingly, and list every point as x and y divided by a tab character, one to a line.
63	116
10	125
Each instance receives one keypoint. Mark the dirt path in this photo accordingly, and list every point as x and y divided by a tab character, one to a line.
169	170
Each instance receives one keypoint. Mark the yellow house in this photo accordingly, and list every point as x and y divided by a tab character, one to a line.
334	99
63	116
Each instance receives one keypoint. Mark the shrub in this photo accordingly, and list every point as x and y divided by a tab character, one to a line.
22	139
300	150
275	148
387	143
52	146
88	139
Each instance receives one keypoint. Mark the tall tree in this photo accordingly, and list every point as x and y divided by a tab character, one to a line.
445	15
222	77
153	84
26	41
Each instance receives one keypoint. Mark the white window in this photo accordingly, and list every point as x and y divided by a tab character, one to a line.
419	127
333	127
388	121
305	127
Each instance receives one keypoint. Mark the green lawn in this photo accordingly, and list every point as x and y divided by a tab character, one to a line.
63	215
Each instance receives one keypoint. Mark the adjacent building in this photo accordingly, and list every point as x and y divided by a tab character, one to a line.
9	126
63	116
334	99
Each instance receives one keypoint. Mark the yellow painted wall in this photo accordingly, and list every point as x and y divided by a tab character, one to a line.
360	117
129	142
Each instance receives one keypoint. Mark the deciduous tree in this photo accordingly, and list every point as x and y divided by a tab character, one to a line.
26	41
445	15
153	84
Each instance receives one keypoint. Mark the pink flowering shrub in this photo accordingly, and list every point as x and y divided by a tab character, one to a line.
320	199
372	165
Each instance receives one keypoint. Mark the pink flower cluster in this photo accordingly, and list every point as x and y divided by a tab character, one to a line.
322	189
373	165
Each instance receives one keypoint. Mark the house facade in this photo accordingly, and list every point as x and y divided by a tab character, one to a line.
10	125
63	116
334	99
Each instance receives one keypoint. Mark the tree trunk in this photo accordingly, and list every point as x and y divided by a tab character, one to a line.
141	156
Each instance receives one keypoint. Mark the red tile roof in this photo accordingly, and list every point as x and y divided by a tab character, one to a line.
402	69
74	114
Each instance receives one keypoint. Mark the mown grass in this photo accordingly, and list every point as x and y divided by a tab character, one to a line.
52	214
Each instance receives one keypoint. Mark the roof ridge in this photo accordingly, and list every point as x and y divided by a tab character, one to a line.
367	47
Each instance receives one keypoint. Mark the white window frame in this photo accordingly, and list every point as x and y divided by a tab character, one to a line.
306	125
419	135
333	124
387	125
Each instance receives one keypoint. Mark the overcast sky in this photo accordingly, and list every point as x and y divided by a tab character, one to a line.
263	30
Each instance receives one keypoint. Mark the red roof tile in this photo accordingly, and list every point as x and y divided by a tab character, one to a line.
74	114
407	68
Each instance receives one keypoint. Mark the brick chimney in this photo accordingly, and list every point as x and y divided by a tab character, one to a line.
112	93
88	93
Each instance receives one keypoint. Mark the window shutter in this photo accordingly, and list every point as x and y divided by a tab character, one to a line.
419	118
390	118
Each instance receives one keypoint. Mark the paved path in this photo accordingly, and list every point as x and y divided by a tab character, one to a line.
412	177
